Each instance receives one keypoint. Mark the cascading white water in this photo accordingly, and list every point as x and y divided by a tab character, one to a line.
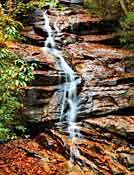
69	100
50	43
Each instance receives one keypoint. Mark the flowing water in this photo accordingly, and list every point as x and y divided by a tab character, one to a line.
69	103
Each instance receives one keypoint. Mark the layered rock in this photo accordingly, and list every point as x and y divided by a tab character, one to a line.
105	118
106	115
107	87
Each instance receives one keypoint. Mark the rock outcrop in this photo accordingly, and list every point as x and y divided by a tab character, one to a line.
106	94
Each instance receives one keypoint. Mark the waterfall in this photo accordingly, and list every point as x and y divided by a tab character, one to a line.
69	104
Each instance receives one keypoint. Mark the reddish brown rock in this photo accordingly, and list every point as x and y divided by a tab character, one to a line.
97	38
108	85
105	118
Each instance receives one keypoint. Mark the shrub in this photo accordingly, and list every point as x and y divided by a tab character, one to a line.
120	10
9	28
14	73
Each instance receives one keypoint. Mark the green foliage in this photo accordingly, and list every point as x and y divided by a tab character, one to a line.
50	3
131	167
106	8
14	73
21	9
127	28
53	3
9	28
127	22
92	6
119	10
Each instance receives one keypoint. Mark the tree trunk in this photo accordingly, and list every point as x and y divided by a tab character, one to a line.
122	4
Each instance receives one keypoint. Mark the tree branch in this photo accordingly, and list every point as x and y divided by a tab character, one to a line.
123	7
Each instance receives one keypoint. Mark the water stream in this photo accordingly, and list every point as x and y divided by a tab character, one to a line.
69	103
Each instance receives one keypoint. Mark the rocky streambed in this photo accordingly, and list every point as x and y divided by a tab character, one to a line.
106	99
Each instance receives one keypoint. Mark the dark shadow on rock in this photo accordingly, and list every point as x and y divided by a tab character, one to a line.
34	42
97	28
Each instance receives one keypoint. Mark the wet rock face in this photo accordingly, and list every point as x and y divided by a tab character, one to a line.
69	19
106	117
107	87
